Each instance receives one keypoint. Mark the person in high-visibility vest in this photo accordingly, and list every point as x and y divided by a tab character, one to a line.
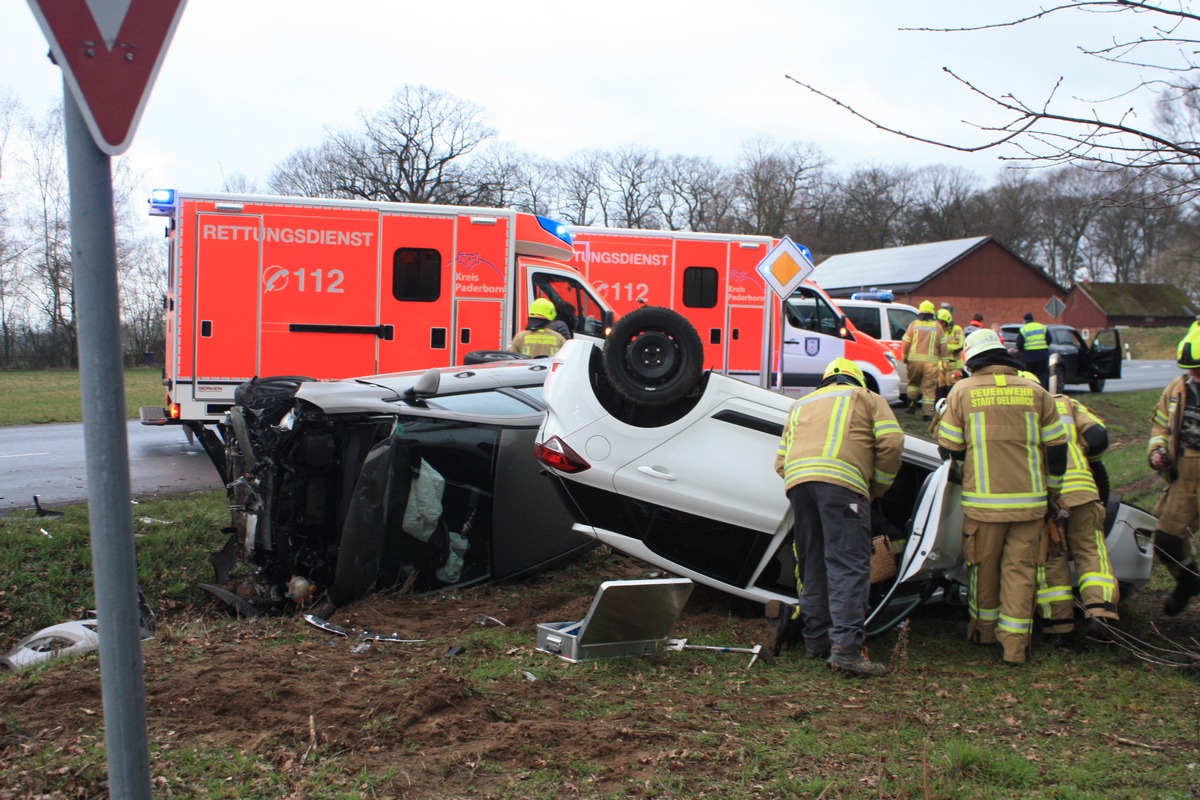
1006	432
538	339
1174	452
1081	539
952	364
923	347
841	449
1033	343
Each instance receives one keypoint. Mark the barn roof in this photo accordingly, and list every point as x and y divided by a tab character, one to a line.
1140	299
896	268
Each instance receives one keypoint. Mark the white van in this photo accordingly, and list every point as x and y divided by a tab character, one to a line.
887	322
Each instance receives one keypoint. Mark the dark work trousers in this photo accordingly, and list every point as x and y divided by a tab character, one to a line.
1038	362
832	532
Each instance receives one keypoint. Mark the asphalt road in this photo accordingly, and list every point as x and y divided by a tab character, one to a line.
48	460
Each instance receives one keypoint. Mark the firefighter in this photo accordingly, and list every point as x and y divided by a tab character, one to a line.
1082	539
1007	434
952	364
1033	343
1174	452
538	339
923	348
840	450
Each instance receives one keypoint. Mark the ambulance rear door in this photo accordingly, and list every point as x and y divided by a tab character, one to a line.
746	295
699	293
224	319
417	254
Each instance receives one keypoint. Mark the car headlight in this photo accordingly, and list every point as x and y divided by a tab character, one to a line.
891	358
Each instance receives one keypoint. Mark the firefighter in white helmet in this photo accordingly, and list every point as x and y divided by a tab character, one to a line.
538	339
840	450
1007	434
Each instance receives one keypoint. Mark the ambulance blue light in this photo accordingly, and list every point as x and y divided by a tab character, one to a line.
555	228
162	202
874	294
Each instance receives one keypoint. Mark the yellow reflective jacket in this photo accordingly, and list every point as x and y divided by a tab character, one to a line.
1001	424
923	341
845	435
954	347
1078	483
1167	421
537	342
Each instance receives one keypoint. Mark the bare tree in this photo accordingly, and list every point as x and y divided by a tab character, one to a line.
48	261
308	172
582	190
12	247
771	183
694	195
946	204
869	207
1010	206
1126	238
1158	41
633	173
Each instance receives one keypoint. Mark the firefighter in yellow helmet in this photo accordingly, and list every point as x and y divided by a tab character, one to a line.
923	347
1007	434
952	364
1174	452
538	339
1081	539
840	450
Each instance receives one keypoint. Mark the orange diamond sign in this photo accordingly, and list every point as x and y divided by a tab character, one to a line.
785	267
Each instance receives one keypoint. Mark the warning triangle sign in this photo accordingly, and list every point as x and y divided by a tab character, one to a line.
110	52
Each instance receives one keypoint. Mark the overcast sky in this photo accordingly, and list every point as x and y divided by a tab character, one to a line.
245	82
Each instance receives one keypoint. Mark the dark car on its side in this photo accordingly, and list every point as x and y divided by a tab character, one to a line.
1075	360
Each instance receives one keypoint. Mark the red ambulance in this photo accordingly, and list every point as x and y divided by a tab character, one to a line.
321	288
712	280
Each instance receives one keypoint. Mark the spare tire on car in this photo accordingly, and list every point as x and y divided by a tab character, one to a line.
488	356
653	357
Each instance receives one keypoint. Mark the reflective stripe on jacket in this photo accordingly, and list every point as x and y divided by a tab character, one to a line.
1001	424
954	347
1079	485
923	341
844	435
534	343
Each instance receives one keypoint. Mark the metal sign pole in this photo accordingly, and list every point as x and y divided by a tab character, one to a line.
102	380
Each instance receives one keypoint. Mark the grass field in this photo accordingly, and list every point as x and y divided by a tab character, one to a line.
52	395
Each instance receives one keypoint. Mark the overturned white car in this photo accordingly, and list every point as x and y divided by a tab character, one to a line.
676	467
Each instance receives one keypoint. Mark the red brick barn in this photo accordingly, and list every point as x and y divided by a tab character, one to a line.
969	275
1095	306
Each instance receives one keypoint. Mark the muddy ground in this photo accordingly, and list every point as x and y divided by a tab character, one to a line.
426	720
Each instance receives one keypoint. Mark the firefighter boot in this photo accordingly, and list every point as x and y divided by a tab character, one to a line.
1170	551
856	664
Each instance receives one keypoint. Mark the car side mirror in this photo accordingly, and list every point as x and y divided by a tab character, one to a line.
426	385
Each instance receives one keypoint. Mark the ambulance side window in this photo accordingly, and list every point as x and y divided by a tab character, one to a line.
700	287
416	274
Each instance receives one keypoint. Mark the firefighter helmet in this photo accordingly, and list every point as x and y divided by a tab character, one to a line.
542	307
1188	355
844	366
945	316
980	342
926	307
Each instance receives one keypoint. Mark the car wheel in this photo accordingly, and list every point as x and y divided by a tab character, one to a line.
1097	385
653	357
488	356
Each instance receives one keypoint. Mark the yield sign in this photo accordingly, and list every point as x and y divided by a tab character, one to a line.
110	52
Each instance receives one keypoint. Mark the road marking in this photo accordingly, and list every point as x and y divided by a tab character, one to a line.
24	455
